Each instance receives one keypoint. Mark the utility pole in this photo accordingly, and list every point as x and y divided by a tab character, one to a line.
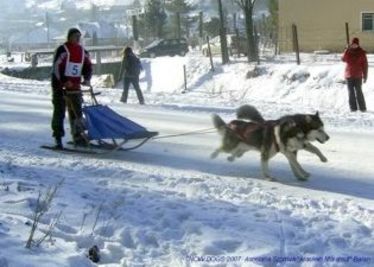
47	26
187	27
179	34
94	9
224	50
236	31
201	33
201	24
234	22
135	31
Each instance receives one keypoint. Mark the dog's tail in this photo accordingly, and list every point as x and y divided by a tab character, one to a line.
219	123
249	112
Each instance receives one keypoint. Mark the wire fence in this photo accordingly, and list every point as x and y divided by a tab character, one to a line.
329	39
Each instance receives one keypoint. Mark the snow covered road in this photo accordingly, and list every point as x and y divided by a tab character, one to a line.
168	204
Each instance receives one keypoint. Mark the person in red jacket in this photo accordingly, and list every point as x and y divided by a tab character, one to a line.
356	71
71	61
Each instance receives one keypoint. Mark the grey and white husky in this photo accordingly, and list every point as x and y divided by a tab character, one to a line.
311	125
286	135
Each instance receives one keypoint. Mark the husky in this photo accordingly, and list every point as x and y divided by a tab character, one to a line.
311	125
268	138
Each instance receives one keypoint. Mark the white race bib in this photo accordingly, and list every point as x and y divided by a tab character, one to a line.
73	69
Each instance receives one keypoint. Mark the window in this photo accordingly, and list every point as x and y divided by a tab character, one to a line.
367	21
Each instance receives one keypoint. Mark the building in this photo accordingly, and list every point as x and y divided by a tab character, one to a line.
321	24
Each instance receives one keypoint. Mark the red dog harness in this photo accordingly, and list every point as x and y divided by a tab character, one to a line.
243	130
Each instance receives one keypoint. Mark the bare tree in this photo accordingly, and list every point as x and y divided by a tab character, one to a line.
247	6
155	18
222	33
273	6
181	9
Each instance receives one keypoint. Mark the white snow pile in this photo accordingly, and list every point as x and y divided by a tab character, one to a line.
167	203
316	85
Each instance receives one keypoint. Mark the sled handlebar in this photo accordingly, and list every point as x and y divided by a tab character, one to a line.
81	92
85	91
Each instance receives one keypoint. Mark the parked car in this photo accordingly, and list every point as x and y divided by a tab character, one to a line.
166	47
234	45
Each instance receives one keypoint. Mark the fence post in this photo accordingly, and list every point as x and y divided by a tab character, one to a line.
185	78
347	32
210	54
257	42
98	63
296	43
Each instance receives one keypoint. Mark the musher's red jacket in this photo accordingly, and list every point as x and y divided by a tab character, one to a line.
71	62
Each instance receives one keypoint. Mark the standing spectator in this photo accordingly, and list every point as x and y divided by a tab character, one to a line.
71	61
356	71
130	69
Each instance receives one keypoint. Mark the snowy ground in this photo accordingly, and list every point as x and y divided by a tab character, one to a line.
167	203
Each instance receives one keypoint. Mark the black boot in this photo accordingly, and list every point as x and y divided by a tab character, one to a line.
58	143
80	141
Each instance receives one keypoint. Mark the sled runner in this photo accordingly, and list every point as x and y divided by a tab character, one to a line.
68	150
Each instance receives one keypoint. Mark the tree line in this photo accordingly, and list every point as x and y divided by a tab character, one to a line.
177	18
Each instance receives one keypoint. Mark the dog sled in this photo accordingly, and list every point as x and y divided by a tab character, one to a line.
105	130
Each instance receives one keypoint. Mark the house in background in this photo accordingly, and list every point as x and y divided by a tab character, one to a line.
321	24
36	38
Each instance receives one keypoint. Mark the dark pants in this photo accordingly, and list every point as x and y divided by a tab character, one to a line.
74	105
126	85
356	97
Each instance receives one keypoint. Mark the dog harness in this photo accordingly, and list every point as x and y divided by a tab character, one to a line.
244	130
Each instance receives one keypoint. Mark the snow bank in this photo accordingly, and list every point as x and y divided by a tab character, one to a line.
280	88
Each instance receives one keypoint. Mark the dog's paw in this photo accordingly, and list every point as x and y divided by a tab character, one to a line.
323	159
213	155
303	177
270	179
300	174
231	158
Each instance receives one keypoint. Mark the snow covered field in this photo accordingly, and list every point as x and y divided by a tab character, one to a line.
167	203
